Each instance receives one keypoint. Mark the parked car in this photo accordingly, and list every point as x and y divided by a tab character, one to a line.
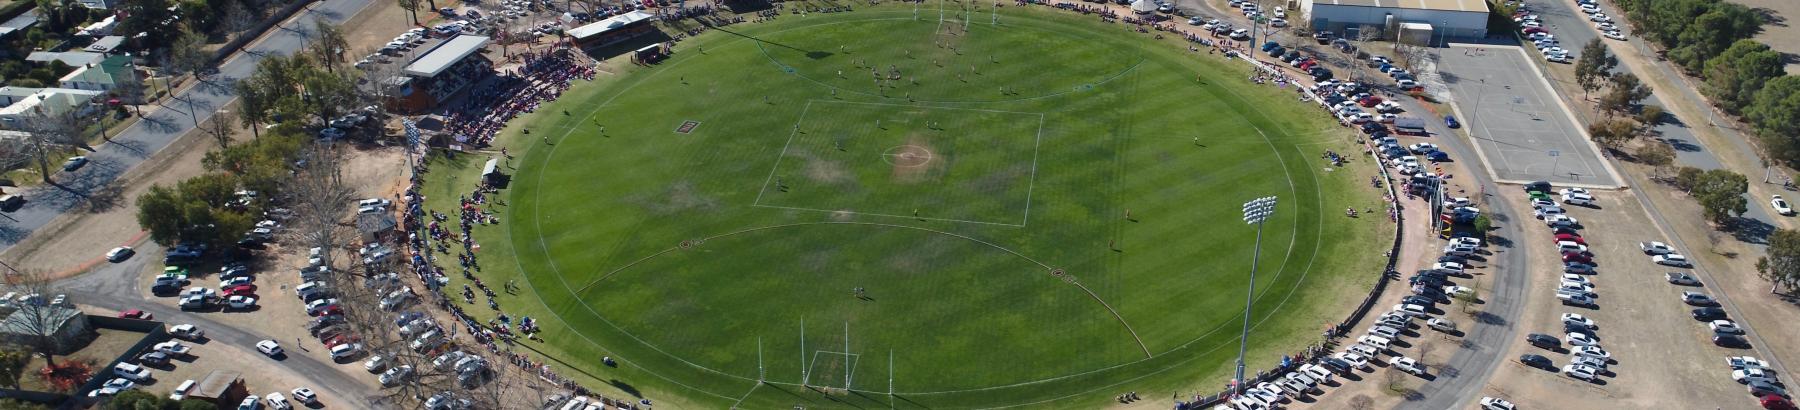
1698	299
1450	121
1781	206
1543	341
119	254
1581	372
1655	248
1678	278
1709	314
1671	259
136	314
1576	318
1408	364
187	331
1537	361
131	372
1490	403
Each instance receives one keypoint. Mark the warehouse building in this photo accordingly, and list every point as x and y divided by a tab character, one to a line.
1431	21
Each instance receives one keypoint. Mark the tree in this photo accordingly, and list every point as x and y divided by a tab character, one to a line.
37	319
1782	265
146	16
1732	78
412	8
1362	402
1650	115
1625	92
12	367
46	133
236	18
1612	133
1686	178
1775	112
131	90
329	45
221	125
1594	66
1657	155
254	103
1483	225
187	55
1721	194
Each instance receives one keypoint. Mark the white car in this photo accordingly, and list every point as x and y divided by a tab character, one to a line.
181	391
1740	374
1655	248
1745	362
1441	324
1605	26
1590	9
1590	351
395	375
1577	319
1725	326
112	387
1582	372
1408	364
1577	199
1410	309
1268	392
1354	359
1490	403
1570	277
1423	148
1317	372
1377	342
1615	34
1458	291
1599	18
131	372
1450	268
1560	220
1672	259
173	348
1570	246
375	363
1598	363
278	402
119	254
305	396
1579	339
1781	206
269	347
234	281
187	331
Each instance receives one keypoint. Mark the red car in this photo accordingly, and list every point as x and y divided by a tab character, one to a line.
1773	402
1370	102
332	310
135	314
240	290
1571	238
339	339
1577	257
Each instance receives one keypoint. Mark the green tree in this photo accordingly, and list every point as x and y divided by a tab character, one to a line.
1721	195
12	366
1624	94
1782	265
1612	133
1686	178
1650	115
1594	66
147	16
1775	112
1733	77
329	45
1657	155
162	211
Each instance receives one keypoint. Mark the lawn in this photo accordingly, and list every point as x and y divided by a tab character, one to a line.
1042	212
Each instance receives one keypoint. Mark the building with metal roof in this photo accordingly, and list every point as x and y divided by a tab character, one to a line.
613	29
440	73
1441	19
446	54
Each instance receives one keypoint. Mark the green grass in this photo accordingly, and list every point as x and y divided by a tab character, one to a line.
1019	281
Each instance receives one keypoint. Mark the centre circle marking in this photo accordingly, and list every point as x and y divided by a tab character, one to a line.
907	156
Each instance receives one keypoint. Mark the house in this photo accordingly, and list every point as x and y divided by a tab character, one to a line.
72	58
10	94
99	77
20	23
1435	20
32	322
101	28
375	226
47	102
105	44
613	29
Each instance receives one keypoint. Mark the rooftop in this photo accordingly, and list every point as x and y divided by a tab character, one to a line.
216	383
19	23
1447	5
72	58
609	24
445	55
106	44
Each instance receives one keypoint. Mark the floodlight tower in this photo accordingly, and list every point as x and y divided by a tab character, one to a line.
1255	213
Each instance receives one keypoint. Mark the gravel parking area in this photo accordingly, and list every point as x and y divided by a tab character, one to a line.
1521	129
1663	357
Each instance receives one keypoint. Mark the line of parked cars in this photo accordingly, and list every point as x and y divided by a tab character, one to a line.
1758	378
1587	359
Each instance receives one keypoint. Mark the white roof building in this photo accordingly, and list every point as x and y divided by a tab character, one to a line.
443	56
609	24
1441	18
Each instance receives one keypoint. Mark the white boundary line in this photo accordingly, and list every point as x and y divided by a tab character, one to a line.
784	148
795	208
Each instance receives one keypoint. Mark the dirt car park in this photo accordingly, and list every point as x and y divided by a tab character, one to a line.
1663	358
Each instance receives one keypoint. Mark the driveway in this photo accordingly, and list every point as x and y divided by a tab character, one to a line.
160	126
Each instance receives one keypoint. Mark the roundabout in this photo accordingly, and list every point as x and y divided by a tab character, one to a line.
908	238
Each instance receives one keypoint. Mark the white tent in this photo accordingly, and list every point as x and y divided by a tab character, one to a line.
1143	6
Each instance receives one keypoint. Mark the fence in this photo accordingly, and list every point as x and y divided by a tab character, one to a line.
153	334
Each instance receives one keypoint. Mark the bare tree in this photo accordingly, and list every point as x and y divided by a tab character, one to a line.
46	132
322	201
131	90
221	125
1411	55
236	18
1426	347
1362	402
187	56
39	323
329	45
1396	378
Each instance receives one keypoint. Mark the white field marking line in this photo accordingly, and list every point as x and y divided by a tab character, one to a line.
1039	114
1031	184
795	208
850	359
784	147
740	400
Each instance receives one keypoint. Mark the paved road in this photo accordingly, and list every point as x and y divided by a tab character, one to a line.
1573	30
1518	121
1461	378
117	286
163	125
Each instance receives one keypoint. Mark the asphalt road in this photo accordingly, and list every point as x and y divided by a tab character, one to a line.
1517	120
118	286
1572	28
162	125
1462	377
